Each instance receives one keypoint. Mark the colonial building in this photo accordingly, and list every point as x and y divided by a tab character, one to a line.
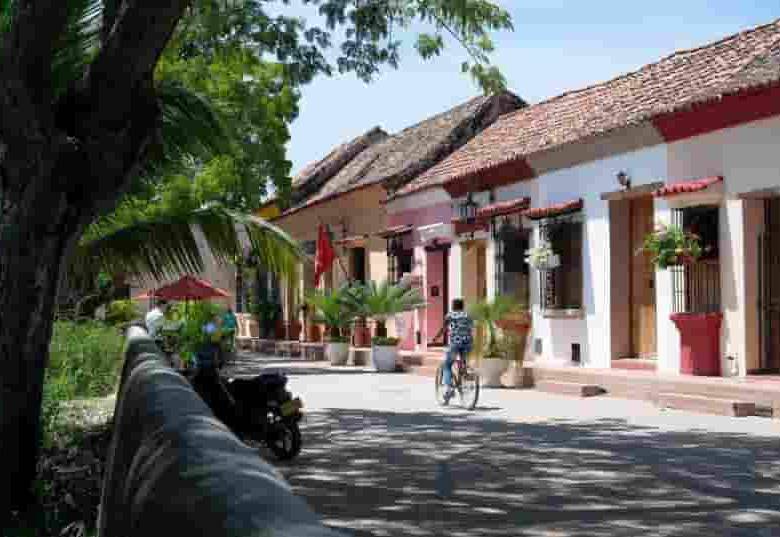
690	140
350	200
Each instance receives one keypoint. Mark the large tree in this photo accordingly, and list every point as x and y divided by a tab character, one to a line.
80	109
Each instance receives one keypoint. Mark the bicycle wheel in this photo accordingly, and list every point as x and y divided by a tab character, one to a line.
440	388
468	387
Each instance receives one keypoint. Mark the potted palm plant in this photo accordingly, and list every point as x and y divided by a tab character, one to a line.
336	312
381	302
497	351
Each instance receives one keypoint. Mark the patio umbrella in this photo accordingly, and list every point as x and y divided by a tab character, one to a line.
186	288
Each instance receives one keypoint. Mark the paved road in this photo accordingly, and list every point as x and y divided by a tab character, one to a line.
382	459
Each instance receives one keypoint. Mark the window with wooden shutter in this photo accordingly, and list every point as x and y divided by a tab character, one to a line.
512	272
562	287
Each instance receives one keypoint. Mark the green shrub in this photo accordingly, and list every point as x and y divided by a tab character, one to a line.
121	312
85	359
195	316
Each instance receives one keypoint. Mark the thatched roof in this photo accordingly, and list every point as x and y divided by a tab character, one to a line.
398	159
747	60
311	179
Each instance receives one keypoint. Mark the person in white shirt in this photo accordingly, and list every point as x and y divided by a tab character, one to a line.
156	318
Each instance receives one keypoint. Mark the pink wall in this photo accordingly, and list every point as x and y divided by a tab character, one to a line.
424	216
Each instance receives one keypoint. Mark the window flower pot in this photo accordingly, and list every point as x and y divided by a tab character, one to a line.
699	343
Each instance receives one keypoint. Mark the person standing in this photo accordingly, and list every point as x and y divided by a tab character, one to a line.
156	318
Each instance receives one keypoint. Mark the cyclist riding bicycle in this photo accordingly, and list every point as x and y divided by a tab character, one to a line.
460	327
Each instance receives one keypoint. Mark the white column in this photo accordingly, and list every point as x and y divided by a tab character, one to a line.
490	268
455	276
667	334
731	243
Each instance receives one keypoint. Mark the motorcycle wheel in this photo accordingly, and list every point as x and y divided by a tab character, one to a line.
285	440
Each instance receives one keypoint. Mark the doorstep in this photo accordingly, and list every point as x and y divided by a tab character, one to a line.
720	393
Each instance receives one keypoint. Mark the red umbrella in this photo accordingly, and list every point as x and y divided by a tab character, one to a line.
186	288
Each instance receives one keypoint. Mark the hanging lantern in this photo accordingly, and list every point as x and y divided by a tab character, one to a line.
468	209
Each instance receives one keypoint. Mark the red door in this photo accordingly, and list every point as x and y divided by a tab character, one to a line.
436	294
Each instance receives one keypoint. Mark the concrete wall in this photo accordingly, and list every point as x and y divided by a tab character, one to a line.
174	468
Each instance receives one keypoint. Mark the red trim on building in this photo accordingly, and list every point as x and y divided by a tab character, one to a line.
395	230
461	226
687	187
357	240
728	111
486	178
503	208
558	209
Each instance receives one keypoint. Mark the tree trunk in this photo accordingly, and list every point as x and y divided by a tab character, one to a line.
35	239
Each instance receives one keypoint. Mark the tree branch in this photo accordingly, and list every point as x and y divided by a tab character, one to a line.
129	55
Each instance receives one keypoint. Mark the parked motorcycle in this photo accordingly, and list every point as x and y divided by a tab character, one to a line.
267	413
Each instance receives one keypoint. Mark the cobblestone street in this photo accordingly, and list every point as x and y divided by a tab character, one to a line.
380	458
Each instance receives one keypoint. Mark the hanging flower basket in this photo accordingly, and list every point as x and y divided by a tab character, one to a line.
671	246
542	257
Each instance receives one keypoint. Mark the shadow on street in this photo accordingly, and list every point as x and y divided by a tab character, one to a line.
426	474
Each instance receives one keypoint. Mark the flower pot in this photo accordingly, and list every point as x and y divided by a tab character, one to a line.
254	328
699	343
315	333
361	335
337	353
384	357
491	370
294	330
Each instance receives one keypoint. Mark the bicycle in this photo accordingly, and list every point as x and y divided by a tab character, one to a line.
465	382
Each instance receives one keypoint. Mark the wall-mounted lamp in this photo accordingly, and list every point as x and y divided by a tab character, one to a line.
624	180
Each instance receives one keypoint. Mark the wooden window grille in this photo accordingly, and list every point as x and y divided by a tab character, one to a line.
696	286
561	288
512	272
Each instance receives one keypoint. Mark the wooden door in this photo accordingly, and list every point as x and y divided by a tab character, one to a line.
642	300
481	271
437	296
769	280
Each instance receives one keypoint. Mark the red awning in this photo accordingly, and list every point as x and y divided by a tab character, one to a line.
687	187
503	208
559	209
187	288
395	230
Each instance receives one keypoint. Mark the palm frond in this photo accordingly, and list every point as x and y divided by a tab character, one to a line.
78	44
191	127
334	309
169	245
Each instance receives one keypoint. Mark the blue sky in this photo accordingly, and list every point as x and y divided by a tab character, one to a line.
557	45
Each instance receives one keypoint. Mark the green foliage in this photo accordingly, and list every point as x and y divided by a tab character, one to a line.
381	301
381	341
122	312
144	240
85	361
671	245
488	313
335	309
195	316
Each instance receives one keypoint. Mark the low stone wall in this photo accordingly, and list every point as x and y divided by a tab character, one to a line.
174	469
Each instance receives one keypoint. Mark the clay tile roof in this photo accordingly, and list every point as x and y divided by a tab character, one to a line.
395	230
503	208
744	61
687	187
312	178
399	158
558	209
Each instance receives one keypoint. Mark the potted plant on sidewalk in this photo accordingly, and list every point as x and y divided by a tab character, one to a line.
497	352
381	302
336	312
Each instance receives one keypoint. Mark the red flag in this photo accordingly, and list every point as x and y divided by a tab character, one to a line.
325	255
